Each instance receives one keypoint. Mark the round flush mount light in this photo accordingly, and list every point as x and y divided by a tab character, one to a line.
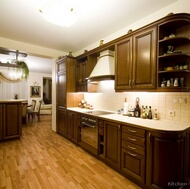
58	12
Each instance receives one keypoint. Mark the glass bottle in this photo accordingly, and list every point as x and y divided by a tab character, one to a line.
137	108
149	113
155	114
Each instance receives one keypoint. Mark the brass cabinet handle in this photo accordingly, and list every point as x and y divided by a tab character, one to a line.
132	131
132	139
119	127
132	154
130	82
149	136
133	82
131	147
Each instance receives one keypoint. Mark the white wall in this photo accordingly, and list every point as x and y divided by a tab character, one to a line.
22	88
179	6
36	79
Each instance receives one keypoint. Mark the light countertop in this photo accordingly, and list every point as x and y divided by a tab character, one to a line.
163	125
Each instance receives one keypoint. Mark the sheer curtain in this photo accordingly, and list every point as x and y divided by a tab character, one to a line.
8	90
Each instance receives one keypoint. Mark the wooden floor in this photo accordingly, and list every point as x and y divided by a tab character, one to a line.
42	159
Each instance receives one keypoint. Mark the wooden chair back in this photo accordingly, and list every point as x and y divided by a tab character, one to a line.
24	112
33	105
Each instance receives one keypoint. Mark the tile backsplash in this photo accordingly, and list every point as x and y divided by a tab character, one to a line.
164	102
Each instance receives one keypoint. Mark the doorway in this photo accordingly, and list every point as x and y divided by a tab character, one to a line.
47	90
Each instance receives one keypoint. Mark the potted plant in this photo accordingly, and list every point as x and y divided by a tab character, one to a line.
23	67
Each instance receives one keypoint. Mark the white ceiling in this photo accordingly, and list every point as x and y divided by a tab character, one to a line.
20	20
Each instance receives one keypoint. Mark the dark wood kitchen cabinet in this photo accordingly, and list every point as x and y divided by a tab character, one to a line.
65	85
133	153
136	60
112	144
62	121
84	67
1	121
10	120
165	163
73	126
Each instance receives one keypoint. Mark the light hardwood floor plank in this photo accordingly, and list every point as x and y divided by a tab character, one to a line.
42	159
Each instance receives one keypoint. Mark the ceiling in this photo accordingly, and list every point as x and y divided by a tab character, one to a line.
20	20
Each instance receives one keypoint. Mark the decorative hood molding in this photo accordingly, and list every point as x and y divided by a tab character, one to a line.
105	67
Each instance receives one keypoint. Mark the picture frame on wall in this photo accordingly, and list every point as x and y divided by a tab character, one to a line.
35	91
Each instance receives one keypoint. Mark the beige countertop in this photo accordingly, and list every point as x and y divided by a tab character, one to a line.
164	125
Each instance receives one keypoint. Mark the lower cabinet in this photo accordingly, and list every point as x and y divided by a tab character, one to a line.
165	163
10	120
1	121
62	121
72	126
112	140
133	153
150	158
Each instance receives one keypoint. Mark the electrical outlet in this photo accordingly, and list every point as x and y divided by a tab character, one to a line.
171	113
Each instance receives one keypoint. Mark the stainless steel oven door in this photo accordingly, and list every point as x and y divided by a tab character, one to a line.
89	134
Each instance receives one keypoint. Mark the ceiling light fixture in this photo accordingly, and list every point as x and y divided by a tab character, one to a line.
58	13
17	69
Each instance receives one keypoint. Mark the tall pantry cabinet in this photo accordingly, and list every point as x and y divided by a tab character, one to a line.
65	85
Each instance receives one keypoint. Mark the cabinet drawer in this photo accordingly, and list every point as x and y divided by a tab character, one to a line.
133	139
134	131
133	147
101	130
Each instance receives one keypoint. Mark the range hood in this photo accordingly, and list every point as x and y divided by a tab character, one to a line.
105	68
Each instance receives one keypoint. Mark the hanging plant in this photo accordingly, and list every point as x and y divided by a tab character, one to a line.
23	67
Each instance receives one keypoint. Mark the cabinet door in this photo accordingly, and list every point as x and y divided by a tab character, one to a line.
165	159
133	165
123	69
61	89
62	121
144	59
12	114
72	125
61	83
112	133
1	121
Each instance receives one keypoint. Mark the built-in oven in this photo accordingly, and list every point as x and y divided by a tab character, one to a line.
89	130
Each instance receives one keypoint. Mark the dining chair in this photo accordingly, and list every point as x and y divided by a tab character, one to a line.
35	112
31	108
24	112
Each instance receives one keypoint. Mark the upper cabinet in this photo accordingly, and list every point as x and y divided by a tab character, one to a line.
155	57
84	67
136	60
174	53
